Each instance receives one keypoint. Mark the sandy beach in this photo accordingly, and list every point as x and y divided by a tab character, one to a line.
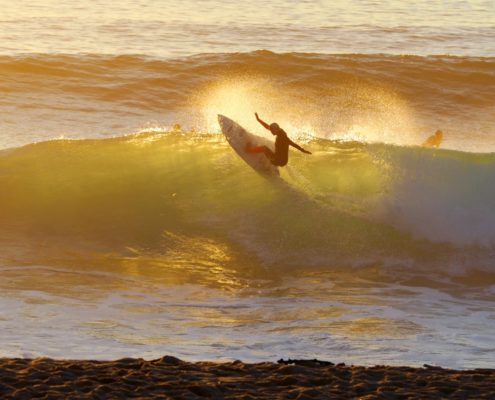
171	378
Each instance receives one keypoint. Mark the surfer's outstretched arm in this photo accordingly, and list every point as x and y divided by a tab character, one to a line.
265	125
298	147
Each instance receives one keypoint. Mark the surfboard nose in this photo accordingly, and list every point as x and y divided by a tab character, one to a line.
223	120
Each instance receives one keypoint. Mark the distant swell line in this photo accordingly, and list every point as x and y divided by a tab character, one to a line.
172	80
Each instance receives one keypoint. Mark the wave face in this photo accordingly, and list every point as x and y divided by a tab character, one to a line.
371	98
180	196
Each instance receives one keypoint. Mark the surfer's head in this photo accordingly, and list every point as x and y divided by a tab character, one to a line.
274	128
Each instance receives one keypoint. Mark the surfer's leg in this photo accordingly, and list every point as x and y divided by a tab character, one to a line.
261	149
254	149
269	154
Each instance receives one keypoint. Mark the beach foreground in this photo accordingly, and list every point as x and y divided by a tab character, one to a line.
171	378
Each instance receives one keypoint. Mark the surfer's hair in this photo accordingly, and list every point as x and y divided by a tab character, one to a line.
274	127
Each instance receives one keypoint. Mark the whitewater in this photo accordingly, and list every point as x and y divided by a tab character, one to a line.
130	228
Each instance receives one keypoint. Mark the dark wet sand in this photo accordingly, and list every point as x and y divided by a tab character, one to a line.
171	378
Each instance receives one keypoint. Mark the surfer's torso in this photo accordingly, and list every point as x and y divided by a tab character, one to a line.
281	156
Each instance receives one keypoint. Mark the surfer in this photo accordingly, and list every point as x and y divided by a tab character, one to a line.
280	157
434	140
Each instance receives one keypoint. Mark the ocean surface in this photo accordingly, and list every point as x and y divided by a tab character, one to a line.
129	227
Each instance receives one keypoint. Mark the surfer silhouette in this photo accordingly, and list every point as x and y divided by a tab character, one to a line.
434	140
280	157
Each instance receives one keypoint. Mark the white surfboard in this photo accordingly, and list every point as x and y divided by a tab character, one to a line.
238	138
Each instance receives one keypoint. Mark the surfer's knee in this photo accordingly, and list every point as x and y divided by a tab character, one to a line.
267	152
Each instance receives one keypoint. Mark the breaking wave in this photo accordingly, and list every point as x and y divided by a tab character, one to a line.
179	194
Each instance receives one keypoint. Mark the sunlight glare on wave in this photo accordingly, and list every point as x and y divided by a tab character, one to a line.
237	99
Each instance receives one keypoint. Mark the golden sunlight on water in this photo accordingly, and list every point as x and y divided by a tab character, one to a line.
129	227
157	28
378	113
234	97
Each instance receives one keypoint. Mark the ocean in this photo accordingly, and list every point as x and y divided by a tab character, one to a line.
130	228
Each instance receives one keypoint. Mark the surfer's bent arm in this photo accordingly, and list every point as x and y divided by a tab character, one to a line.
265	125
298	147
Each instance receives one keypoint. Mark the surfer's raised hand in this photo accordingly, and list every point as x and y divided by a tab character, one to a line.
265	125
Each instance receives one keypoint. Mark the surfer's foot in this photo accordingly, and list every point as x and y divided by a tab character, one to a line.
248	148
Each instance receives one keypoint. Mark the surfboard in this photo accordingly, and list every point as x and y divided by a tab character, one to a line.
238	138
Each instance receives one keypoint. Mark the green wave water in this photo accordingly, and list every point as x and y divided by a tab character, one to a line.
152	195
